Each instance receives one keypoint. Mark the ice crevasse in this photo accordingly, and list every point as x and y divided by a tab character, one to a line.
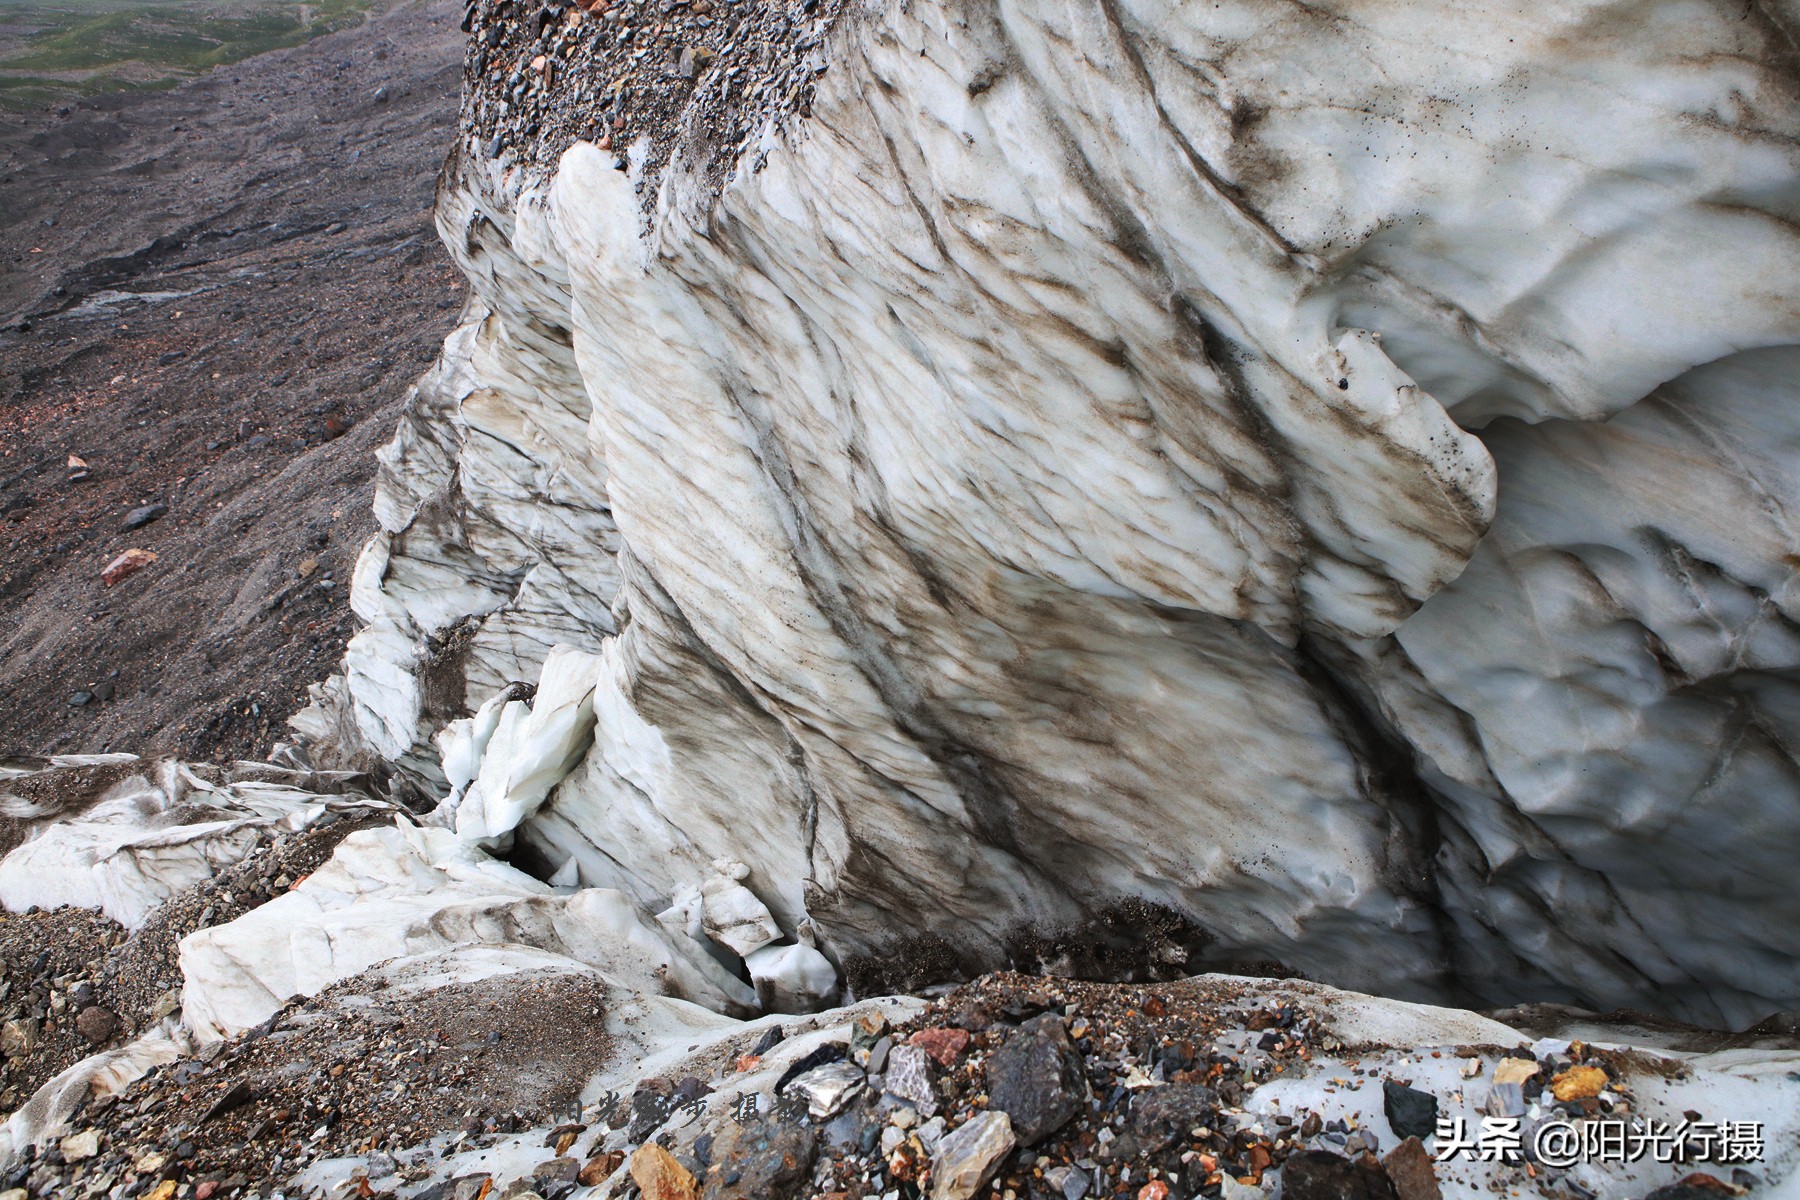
1326	474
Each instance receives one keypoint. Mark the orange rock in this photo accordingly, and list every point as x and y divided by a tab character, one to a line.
1156	1189
660	1177
125	564
600	1168
944	1043
1578	1083
748	1062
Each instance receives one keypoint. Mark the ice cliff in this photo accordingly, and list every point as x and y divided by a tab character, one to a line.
1325	476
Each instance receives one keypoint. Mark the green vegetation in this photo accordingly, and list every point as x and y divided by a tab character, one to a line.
55	50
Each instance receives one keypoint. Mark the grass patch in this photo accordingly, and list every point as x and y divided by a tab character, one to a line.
55	50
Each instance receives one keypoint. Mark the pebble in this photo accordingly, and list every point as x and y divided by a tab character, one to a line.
96	1024
130	562
761	1160
1321	1175
600	1168
944	1044
19	1037
1578	1083
137	518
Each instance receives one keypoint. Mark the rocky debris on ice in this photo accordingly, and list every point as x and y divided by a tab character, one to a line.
119	983
414	1079
460	1048
1224	1086
661	77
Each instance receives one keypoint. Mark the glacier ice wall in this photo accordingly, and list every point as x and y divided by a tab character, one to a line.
1326	470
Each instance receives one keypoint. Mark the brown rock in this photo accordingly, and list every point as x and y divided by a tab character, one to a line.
127	563
96	1024
945	1044
1409	1166
1321	1175
600	1168
660	1177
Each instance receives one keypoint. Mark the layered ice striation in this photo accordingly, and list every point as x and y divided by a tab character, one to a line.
1328	472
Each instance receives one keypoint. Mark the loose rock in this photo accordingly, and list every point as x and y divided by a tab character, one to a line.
761	1160
1037	1080
1321	1175
660	1177
137	518
96	1024
1412	1113
128	563
1410	1168
968	1158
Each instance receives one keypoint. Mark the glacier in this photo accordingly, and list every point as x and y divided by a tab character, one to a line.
1327	473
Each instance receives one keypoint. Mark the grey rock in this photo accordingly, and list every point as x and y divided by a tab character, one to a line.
761	1160
1036	1078
967	1158
137	518
909	1078
1164	1115
1071	1182
830	1089
1504	1100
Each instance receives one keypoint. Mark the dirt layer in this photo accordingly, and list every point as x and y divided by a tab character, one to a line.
212	302
358	1069
57	965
